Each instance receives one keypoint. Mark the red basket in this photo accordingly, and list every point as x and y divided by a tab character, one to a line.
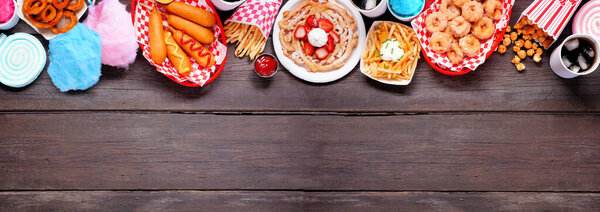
498	37
219	68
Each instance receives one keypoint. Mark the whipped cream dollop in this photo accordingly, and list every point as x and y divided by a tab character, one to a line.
317	37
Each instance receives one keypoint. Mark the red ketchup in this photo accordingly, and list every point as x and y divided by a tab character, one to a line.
265	65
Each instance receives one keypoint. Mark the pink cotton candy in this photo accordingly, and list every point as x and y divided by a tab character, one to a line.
113	23
7	8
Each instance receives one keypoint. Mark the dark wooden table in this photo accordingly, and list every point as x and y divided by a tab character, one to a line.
494	139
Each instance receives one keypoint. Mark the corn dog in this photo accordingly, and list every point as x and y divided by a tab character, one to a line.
202	55
189	12
158	50
180	60
199	33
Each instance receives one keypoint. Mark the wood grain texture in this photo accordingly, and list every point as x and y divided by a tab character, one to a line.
493	152
295	201
495	86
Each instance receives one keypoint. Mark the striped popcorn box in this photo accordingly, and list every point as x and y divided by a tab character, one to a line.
551	16
260	13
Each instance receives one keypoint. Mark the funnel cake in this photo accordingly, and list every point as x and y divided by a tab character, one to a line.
343	37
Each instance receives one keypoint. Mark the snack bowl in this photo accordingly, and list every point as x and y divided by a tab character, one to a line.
363	67
13	20
374	12
200	76
406	18
46	33
440	62
224	5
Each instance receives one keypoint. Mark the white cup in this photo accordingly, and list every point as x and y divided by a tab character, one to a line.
374	12
563	71
407	18
225	5
13	20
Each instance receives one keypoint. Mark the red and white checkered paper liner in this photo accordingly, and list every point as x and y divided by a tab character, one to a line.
260	13
199	75
551	15
469	62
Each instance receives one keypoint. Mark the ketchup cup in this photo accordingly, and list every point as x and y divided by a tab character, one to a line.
266	65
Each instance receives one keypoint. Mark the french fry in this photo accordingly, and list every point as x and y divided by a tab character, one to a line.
249	39
401	69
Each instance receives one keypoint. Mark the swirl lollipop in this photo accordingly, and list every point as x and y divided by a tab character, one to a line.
22	58
587	20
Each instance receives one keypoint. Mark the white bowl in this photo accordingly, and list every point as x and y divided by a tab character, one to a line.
225	5
13	21
372	13
406	19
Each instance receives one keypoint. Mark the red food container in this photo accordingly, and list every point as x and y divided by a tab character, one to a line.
440	62
199	76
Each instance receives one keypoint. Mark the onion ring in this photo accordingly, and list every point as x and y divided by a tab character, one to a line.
49	13
72	22
34	7
40	24
60	5
76	6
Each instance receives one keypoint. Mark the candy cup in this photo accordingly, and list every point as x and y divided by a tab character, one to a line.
587	19
22	59
226	5
12	21
374	12
405	18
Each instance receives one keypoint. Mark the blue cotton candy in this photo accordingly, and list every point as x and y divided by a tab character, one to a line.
406	8
75	59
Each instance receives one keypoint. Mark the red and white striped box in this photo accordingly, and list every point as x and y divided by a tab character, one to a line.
260	13
551	15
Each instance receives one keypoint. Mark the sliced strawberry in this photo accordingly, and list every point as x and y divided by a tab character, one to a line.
321	53
312	21
325	24
308	29
335	36
308	48
330	44
300	32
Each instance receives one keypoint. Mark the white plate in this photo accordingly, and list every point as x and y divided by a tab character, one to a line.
320	77
386	81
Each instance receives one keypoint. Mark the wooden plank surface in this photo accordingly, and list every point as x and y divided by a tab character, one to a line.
295	201
514	141
492	152
495	86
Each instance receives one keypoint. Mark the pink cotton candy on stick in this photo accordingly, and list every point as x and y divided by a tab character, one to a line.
112	22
